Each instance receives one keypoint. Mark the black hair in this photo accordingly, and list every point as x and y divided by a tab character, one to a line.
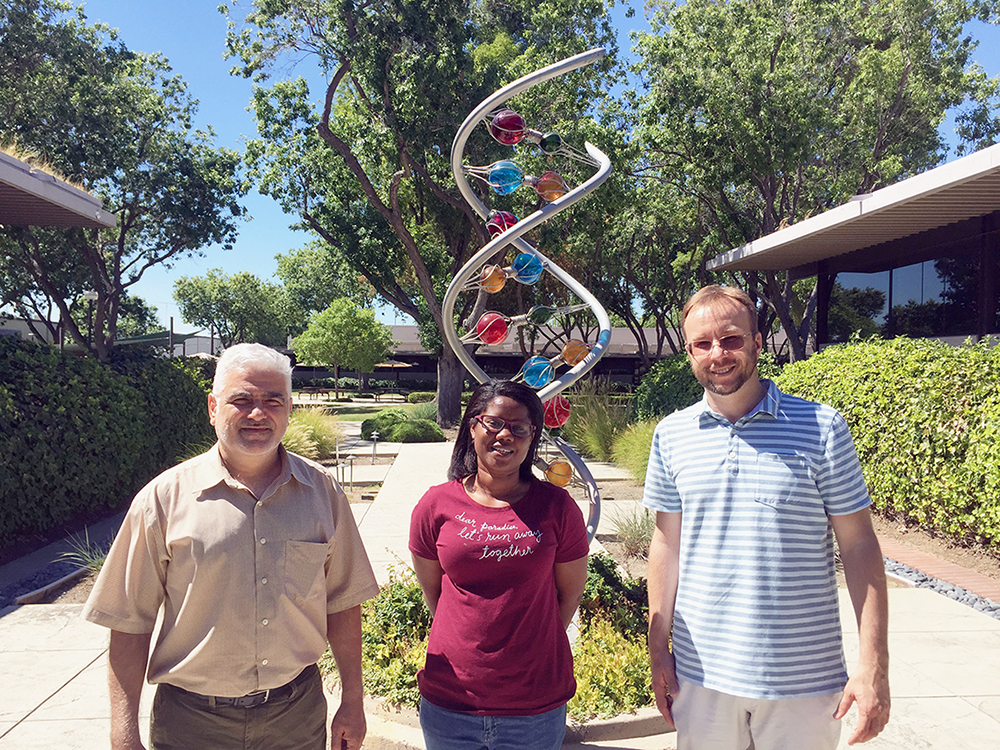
463	458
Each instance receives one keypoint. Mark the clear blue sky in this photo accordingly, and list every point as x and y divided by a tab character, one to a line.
191	34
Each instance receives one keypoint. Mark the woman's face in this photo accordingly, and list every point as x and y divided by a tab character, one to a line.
498	450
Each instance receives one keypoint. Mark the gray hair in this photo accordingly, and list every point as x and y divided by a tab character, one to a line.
252	357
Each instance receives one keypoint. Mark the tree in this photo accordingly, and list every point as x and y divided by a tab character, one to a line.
240	308
314	276
119	124
768	112
853	311
368	171
344	335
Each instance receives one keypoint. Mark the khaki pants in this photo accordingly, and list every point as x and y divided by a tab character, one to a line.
182	721
710	720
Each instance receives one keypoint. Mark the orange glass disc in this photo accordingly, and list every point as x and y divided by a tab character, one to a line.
559	473
492	279
551	186
574	351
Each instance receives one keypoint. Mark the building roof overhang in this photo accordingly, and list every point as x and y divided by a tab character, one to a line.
939	207
32	197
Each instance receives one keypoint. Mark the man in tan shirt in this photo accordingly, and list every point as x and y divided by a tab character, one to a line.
251	557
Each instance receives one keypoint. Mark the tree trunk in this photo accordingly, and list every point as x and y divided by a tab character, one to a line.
451	376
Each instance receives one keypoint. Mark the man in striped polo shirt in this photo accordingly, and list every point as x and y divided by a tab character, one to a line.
750	486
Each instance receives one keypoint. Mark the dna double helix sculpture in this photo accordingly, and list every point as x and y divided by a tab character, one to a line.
486	272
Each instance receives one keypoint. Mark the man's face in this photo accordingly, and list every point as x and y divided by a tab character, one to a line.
250	412
722	371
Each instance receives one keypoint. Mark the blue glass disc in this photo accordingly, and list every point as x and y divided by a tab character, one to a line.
527	268
505	177
537	372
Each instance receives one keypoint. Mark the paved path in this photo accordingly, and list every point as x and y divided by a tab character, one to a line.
945	665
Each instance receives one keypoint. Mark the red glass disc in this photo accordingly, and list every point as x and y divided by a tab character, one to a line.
492	328
499	222
556	412
507	126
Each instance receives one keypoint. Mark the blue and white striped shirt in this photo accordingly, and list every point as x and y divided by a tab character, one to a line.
756	613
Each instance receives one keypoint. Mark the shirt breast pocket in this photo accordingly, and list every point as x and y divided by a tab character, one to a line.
305	573
783	478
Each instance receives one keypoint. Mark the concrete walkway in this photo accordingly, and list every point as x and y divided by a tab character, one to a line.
945	665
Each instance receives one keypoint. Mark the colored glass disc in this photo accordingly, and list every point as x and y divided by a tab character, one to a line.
540	314
574	351
537	372
505	177
492	328
499	222
527	268
559	473
492	279
507	126
550	186
557	411
550	143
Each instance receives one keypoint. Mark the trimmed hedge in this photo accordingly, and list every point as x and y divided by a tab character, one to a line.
77	436
926	422
396	425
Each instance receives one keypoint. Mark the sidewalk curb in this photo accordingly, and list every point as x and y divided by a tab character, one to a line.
33	597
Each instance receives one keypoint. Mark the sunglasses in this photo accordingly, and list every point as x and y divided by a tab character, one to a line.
494	425
703	347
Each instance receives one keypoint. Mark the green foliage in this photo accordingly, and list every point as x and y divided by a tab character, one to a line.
383	422
171	399
634	529
421	397
322	428
924	418
666	388
118	123
424	410
417	431
596	419
612	673
622	602
631	448
344	335
241	308
399	425
78	437
86	554
394	630
298	439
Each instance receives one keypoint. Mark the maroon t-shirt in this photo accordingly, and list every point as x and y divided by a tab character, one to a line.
497	646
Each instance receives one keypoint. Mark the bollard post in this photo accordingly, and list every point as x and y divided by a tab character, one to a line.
375	437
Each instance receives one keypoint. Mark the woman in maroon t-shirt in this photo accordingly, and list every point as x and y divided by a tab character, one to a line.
501	558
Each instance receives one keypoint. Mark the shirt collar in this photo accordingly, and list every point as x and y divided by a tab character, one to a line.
213	470
767	407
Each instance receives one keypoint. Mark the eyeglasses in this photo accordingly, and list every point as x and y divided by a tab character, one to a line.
495	424
703	347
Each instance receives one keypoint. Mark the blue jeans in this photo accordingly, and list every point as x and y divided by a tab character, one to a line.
451	730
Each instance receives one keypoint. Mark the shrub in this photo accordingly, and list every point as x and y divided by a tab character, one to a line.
173	396
298	439
417	431
596	418
612	673
426	410
925	418
634	530
624	603
394	632
631	448
324	430
383	422
667	387
421	397
72	434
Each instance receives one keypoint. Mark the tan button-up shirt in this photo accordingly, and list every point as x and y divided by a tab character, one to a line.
244	584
